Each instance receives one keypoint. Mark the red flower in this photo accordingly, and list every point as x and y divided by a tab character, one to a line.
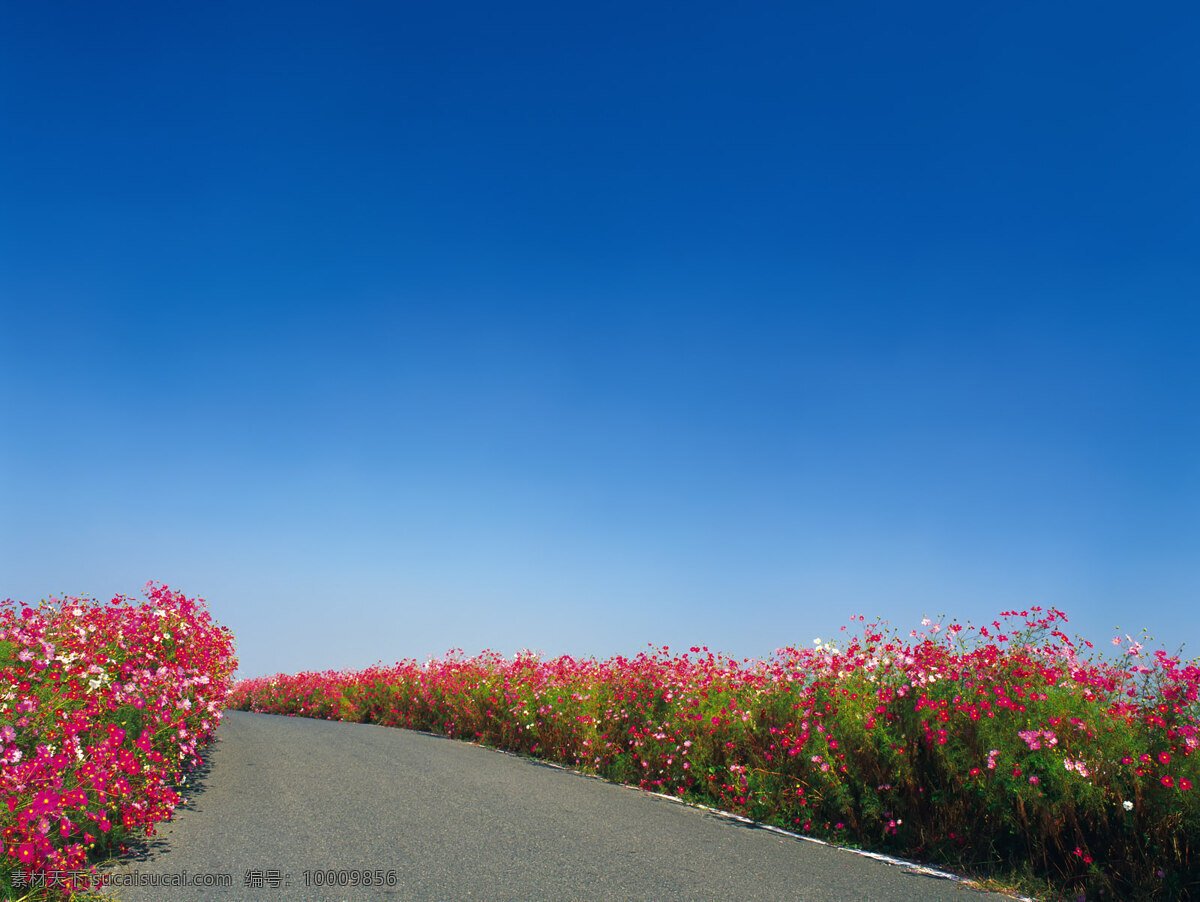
1168	780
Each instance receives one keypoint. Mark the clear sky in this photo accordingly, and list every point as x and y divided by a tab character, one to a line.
391	328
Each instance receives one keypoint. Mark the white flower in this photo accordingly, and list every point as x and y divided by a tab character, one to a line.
1127	805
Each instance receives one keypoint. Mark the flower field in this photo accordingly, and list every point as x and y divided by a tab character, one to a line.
102	712
1006	751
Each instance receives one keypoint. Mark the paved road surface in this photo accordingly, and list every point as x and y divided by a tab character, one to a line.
453	821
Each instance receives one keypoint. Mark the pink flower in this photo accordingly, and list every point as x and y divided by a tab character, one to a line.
1077	766
44	802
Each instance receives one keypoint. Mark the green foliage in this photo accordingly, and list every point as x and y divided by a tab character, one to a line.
131	719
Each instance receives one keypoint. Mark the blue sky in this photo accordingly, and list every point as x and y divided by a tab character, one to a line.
393	329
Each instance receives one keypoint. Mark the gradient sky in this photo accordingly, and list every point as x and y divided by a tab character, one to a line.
394	328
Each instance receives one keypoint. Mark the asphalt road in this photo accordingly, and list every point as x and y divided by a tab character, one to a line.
282	801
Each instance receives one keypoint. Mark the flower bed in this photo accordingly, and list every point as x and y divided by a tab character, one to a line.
1007	750
103	709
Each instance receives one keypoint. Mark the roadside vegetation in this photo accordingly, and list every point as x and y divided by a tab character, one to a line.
103	708
1008	752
